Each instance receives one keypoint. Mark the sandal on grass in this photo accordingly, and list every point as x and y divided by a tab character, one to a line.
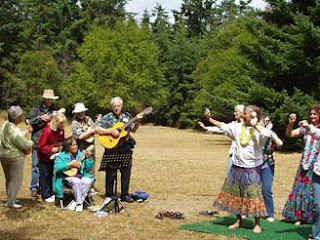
159	215
177	215
172	215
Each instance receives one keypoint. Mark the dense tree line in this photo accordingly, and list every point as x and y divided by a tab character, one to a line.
214	54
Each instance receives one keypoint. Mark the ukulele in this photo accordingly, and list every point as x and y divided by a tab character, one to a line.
72	172
109	141
91	138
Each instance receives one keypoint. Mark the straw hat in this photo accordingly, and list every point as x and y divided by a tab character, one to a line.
49	93
79	107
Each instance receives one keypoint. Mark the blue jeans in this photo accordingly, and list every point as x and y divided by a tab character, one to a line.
34	185
316	207
267	180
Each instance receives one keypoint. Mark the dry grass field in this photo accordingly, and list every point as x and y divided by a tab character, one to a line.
183	170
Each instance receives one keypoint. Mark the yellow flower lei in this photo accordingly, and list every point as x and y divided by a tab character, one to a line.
245	138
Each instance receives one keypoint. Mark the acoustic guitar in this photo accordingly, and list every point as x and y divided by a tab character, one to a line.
109	141
72	172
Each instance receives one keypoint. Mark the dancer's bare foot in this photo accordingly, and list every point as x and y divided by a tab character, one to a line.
237	224
257	229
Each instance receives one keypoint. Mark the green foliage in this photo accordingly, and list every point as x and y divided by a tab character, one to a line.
78	87
124	62
283	56
181	60
11	90
224	76
299	103
38	70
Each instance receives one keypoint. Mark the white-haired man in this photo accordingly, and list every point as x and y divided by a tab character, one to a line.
107	121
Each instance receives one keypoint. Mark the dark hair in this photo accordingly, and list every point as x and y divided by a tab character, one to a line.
67	143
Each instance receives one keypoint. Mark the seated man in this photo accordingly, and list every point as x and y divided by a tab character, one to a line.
80	179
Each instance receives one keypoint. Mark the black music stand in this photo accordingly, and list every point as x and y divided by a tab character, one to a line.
115	159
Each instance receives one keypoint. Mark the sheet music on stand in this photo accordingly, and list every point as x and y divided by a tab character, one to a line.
115	158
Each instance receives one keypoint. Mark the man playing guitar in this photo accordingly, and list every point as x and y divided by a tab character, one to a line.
107	121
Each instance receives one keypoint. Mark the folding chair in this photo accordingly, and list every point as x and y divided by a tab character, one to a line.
68	197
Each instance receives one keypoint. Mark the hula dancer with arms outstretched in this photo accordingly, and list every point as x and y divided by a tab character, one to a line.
241	193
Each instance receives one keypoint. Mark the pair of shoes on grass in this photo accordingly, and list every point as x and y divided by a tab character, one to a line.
73	206
172	215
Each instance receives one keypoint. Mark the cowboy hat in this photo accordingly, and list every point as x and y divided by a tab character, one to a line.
79	107
49	94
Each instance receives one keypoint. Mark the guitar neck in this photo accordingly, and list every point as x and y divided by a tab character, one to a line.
144	112
129	123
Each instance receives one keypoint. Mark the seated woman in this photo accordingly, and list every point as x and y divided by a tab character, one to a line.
81	181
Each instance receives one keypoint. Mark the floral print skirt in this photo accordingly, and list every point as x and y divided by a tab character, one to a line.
241	193
298	206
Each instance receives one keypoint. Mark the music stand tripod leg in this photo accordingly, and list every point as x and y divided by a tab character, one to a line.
117	200
123	207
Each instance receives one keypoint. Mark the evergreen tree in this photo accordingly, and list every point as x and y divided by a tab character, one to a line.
124	62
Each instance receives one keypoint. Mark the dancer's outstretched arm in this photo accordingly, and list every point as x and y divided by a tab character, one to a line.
312	129
207	115
290	132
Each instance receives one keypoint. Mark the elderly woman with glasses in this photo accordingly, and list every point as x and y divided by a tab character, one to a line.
13	148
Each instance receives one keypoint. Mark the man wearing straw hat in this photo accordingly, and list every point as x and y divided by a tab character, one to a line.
38	118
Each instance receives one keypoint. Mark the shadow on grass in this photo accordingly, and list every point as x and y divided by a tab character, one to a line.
17	233
28	208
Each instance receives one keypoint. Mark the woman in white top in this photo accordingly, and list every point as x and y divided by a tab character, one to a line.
238	115
241	193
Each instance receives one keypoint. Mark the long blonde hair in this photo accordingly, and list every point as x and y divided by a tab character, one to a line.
57	118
